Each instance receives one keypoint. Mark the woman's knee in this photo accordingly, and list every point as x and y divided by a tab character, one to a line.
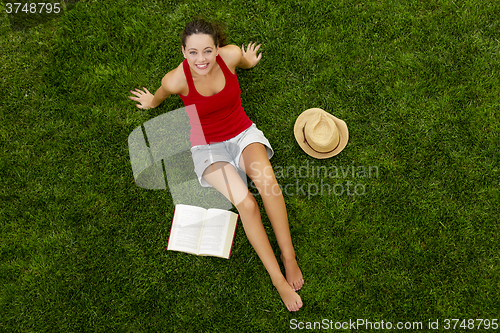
248	205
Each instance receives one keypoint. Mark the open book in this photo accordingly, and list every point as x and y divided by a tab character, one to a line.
204	232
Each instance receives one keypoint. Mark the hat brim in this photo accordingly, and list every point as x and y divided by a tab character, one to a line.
299	134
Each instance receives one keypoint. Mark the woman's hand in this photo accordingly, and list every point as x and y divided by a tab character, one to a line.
143	97
250	54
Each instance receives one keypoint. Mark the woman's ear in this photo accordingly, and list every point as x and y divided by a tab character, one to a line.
183	51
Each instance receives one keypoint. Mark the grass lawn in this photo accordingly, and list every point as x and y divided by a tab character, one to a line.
409	234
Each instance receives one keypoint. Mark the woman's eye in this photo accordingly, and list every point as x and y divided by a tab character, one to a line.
209	51
192	52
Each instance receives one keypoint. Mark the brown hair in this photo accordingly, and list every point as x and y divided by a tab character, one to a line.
200	26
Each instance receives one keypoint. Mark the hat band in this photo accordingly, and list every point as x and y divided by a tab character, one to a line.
320	152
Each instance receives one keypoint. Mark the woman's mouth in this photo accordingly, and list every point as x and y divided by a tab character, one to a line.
202	66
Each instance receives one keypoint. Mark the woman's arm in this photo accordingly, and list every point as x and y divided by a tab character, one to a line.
235	57
147	100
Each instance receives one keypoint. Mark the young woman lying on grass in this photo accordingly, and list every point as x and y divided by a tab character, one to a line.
224	139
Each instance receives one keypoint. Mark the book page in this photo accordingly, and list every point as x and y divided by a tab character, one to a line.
214	232
187	227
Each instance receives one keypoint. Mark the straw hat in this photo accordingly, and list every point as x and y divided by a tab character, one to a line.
320	134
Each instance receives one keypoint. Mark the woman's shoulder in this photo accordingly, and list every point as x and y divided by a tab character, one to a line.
231	54
175	81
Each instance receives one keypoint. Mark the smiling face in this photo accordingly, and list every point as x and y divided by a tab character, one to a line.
200	53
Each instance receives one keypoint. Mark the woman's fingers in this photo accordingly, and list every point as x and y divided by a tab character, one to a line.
135	93
142	97
252	47
139	93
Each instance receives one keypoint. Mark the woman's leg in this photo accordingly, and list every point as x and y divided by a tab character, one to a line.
224	177
255	162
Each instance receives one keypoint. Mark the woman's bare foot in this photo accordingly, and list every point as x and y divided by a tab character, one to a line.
293	273
292	300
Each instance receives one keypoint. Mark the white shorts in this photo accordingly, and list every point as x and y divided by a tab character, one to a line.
227	151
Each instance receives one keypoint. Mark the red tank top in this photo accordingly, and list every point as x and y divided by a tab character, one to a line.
218	117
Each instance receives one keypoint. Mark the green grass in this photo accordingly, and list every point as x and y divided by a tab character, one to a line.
82	248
